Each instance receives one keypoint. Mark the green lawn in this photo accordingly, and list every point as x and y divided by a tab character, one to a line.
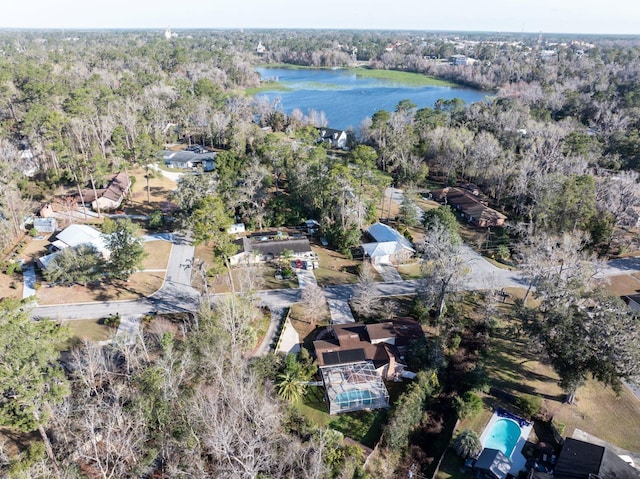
362	426
89	329
410	271
406	78
514	367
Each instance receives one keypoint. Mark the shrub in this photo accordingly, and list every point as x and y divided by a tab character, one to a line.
454	342
529	405
469	405
467	444
156	220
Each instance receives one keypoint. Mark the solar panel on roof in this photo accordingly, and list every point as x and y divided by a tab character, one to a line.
343	357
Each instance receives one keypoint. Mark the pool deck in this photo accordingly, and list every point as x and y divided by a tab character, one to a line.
518	461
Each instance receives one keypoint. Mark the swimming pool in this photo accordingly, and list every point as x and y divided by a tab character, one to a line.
504	436
349	397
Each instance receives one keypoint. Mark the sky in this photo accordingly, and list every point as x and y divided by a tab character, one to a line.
553	16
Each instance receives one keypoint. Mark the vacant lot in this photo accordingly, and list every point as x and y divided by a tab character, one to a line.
89	329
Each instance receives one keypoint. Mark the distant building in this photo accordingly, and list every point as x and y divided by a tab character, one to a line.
260	49
335	138
189	160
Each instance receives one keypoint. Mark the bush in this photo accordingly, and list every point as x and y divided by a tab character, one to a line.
156	220
467	444
454	342
529	405
469	405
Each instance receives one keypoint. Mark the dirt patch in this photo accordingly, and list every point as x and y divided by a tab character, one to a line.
622	285
138	286
10	286
158	197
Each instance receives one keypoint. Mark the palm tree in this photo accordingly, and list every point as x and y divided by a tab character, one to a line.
290	386
467	444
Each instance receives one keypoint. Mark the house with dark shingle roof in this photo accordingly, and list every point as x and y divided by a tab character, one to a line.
108	198
265	248
383	344
470	206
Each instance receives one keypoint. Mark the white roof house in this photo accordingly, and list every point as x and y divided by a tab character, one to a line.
75	235
389	245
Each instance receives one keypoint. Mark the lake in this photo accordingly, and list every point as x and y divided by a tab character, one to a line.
347	99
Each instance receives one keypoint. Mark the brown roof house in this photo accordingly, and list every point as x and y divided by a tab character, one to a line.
111	197
356	358
258	249
470	205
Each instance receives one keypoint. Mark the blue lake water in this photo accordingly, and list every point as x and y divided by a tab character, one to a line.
347	99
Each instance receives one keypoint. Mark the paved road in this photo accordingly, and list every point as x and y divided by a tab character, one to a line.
175	295
620	266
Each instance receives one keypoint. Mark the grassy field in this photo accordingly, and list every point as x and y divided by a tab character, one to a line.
266	86
406	78
335	268
410	270
516	369
89	329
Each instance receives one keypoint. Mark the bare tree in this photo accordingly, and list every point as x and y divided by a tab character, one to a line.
444	264
314	301
365	300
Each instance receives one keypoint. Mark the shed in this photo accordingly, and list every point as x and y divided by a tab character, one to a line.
45	225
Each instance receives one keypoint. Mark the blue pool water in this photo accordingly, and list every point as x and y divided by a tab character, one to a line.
362	395
504	435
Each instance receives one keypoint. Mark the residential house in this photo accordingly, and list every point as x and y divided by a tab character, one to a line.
335	138
108	198
470	205
583	460
356	358
633	301
381	343
259	249
75	235
388	246
189	160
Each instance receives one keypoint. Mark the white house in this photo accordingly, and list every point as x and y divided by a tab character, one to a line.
335	138
75	235
389	246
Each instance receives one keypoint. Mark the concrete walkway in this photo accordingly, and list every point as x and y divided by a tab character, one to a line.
289	339
388	272
340	311
128	329
29	280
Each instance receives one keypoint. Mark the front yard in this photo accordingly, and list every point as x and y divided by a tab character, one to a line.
139	285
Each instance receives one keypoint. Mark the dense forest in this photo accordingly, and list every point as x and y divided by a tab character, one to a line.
556	146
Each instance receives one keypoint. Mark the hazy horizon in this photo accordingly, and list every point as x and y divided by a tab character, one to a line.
617	17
